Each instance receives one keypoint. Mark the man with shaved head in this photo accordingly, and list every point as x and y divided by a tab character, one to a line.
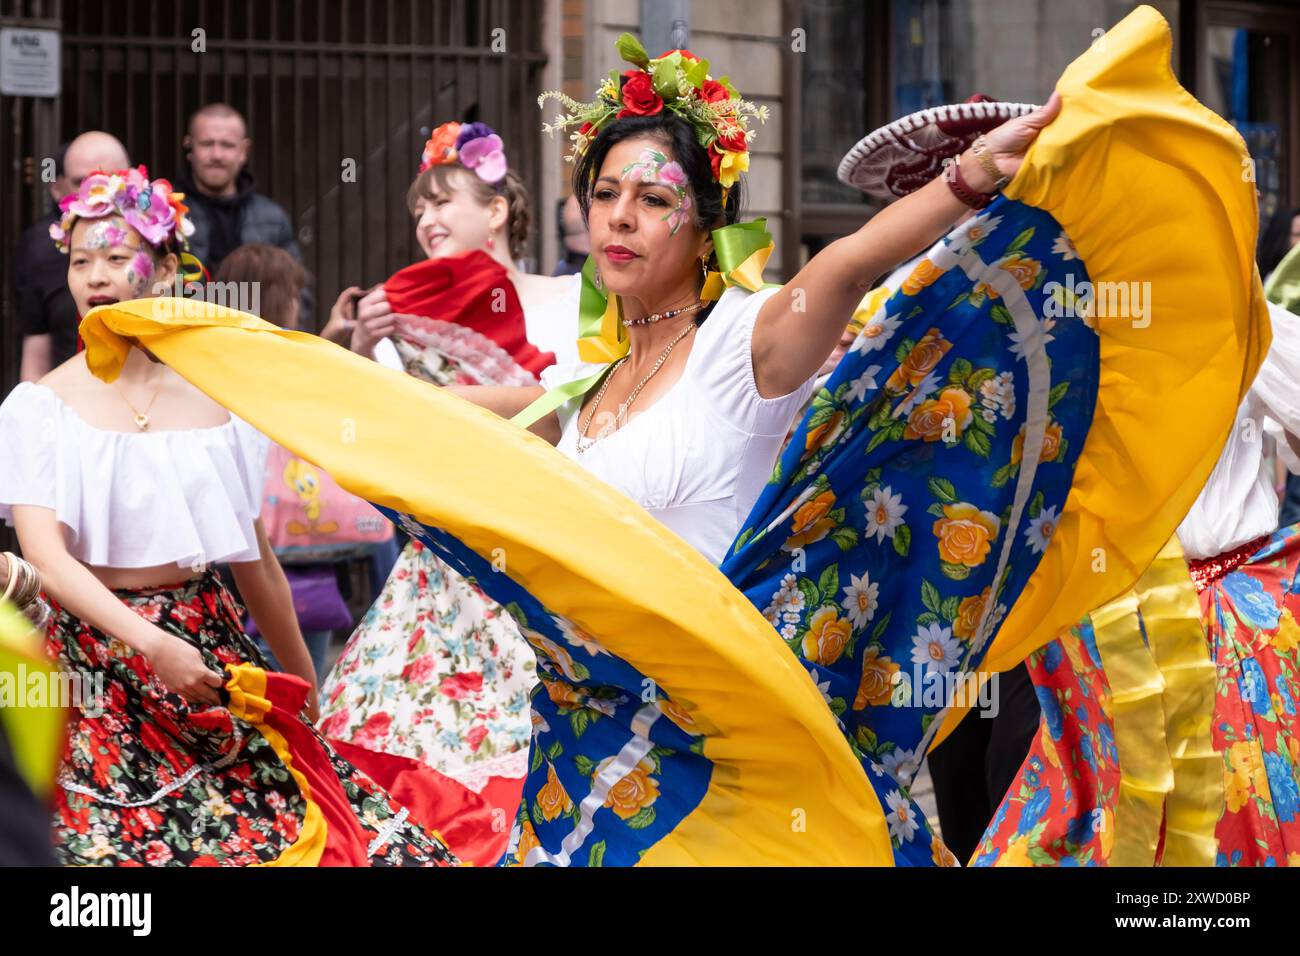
227	213
46	314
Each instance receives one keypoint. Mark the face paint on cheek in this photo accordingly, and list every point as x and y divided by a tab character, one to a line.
653	166
138	273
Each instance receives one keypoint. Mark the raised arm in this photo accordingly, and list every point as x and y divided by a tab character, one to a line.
800	325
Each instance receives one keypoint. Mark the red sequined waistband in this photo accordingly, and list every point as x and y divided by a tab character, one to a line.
1208	570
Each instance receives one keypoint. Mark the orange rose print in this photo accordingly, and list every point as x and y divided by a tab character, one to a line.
811	522
551	799
636	791
1051	444
923	275
825	433
827	636
968	615
919	362
929	420
965	533
877	684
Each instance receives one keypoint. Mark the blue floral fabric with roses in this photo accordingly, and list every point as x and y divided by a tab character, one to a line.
901	522
905	517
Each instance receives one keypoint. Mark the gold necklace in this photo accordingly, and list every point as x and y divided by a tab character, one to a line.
583	443
141	417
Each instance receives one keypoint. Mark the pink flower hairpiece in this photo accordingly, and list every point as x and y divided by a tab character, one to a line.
151	208
476	146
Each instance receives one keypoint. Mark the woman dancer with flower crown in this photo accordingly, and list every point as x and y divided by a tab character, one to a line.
123	496
436	670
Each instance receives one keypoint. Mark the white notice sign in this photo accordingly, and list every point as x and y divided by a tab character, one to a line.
29	62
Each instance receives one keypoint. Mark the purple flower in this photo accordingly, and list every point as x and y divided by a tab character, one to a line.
473	131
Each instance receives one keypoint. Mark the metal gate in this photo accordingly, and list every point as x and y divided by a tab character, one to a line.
325	85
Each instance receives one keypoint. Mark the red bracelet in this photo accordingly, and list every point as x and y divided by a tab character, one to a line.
962	189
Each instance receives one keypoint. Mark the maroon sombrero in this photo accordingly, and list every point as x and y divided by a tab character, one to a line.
904	155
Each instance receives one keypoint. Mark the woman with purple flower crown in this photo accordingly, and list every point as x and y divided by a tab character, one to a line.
436	671
124	496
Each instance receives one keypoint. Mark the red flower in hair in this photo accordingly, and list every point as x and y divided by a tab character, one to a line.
711	91
639	96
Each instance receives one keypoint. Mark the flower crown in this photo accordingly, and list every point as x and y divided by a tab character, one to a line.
680	81
152	209
476	146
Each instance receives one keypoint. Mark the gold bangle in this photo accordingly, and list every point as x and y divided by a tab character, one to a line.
11	577
984	156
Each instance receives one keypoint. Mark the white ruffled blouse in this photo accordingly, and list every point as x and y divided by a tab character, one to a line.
697	458
133	499
1239	502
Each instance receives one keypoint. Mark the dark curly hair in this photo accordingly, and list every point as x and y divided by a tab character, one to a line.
675	133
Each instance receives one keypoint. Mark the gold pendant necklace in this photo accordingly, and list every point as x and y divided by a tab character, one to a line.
141	417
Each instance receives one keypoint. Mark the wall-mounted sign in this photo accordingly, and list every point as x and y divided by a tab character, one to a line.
29	62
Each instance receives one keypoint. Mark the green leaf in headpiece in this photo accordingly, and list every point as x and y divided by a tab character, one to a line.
697	73
630	49
665	76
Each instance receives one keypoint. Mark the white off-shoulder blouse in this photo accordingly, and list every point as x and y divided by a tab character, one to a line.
697	458
133	499
1239	503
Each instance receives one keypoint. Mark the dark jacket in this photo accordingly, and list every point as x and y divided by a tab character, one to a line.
45	305
256	218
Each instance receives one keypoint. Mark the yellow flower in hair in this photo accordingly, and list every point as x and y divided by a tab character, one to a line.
732	165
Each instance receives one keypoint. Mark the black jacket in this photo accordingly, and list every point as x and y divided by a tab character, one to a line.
256	218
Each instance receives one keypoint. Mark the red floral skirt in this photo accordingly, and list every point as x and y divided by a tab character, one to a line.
147	779
1061	807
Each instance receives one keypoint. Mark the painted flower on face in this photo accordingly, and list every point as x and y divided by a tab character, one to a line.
935	647
965	533
902	821
1040	529
653	166
827	636
885	512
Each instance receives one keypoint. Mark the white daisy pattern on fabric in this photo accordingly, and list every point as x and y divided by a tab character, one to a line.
875	335
902	822
919	394
1040	529
862	384
1063	247
860	599
999	395
577	637
970	234
885	512
936	648
1035	339
902	765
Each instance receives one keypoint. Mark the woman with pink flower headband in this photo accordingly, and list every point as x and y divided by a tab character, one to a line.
436	671
124	496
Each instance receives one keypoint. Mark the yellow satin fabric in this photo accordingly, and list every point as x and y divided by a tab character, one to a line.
35	733
1148	184
786	788
1162	693
247	688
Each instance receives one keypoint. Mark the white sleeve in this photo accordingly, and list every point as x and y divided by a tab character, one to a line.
30	432
251	452
726	370
1277	385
